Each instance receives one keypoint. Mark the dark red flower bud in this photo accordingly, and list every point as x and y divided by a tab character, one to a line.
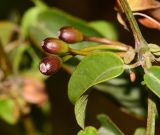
54	46
70	35
50	65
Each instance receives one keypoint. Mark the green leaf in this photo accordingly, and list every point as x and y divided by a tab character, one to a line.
16	55
108	125
140	131
152	79
49	21
8	111
129	98
104	131
107	29
53	19
41	21
93	69
30	16
88	131
80	108
6	31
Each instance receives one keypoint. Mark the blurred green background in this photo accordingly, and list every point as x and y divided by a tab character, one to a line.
62	115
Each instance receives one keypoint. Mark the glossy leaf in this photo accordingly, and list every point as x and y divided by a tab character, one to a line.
93	69
103	131
107	29
152	79
107	124
80	108
8	112
49	21
41	22
53	19
88	131
140	131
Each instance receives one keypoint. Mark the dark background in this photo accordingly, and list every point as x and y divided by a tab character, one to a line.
62	116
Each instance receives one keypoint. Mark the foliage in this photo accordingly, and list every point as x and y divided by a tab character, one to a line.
99	61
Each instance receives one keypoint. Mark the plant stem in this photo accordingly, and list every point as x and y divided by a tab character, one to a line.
4	62
140	41
151	115
87	50
105	47
29	126
104	41
132	65
144	57
66	58
78	52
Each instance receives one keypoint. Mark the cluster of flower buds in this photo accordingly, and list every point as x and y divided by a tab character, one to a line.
58	47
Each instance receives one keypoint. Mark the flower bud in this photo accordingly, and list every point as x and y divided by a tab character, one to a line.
70	35
132	76
50	65
54	46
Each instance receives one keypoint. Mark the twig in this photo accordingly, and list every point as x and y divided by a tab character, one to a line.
4	62
144	58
